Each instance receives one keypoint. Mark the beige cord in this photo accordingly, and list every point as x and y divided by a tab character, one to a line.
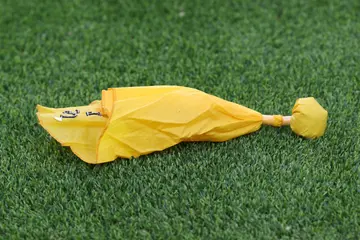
276	120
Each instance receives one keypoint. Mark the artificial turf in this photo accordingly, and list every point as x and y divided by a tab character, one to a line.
262	54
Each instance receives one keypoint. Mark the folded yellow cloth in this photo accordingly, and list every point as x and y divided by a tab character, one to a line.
133	121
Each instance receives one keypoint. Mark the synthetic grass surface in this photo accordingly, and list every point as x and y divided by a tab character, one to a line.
262	54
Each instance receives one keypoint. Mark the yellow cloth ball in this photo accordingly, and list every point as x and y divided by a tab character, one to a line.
309	118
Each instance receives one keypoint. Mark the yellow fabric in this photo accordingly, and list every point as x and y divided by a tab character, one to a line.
141	120
309	118
278	120
80	134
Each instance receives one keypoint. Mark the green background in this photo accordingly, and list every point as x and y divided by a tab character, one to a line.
261	54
